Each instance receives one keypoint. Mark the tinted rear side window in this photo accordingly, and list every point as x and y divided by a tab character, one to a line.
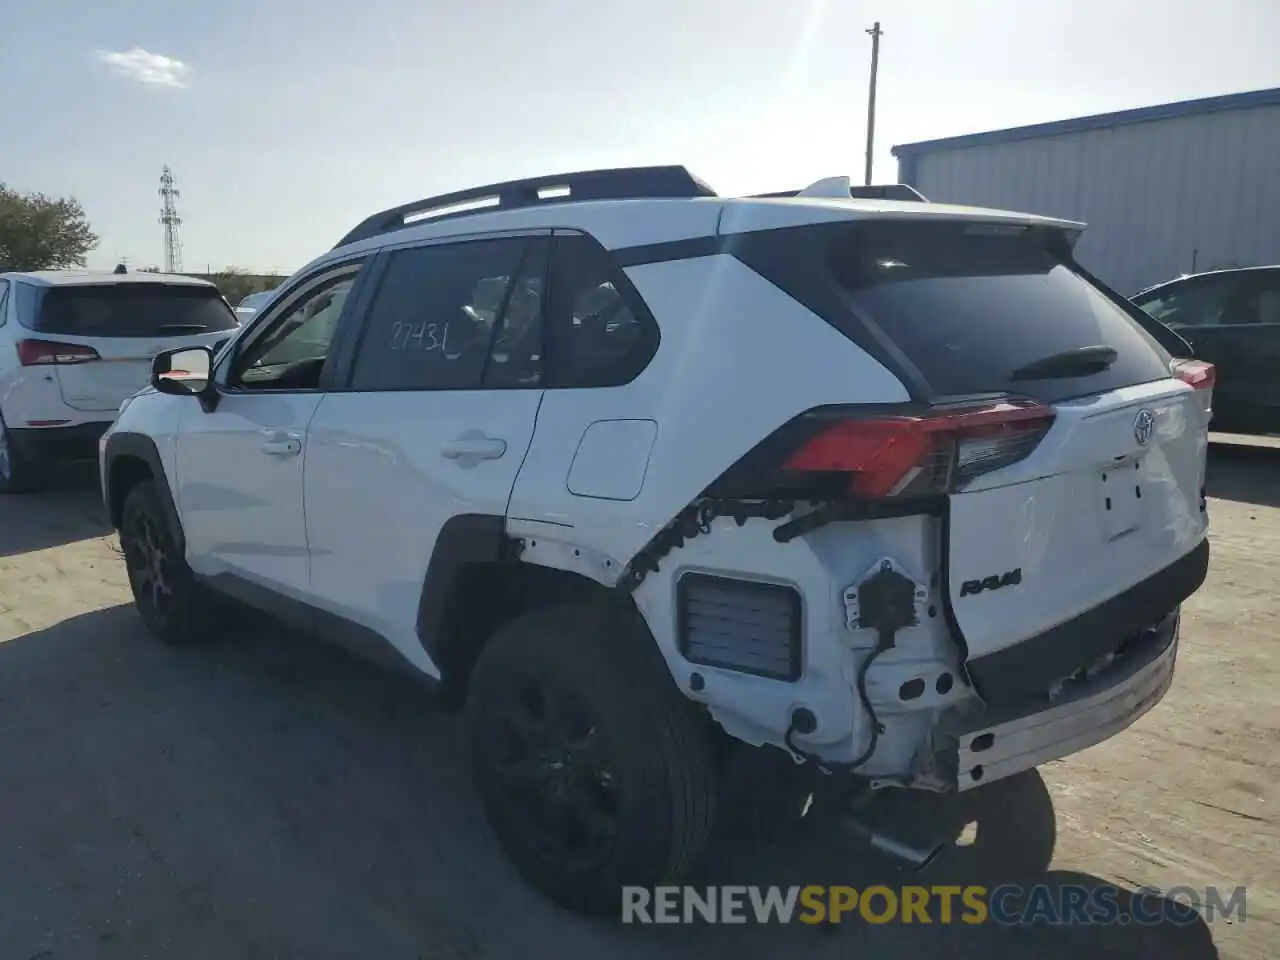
600	333
127	310
969	304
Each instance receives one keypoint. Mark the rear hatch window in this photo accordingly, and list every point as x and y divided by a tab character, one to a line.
127	310
976	307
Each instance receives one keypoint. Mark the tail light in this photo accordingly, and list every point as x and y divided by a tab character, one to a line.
35	353
842	452
1199	374
1202	376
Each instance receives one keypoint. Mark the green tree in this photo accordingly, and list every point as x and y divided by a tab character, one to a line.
39	232
235	283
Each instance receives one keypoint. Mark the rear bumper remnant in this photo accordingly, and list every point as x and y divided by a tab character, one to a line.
991	745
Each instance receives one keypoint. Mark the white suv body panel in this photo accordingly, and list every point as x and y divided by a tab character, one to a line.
357	513
239	488
723	320
1089	490
384	472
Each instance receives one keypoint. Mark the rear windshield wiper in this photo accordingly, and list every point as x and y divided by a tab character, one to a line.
1080	362
167	327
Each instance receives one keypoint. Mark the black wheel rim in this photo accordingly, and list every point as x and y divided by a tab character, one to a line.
150	566
548	759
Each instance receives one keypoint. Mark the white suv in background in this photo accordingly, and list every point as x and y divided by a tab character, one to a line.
251	304
74	345
873	493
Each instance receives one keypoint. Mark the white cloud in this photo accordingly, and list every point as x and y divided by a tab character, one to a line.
150	68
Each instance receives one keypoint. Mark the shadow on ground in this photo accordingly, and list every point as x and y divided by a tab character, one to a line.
268	797
1244	472
67	509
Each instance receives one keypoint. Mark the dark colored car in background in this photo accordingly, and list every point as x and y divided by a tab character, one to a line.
1231	319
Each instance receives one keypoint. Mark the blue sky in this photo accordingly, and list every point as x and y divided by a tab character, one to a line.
285	122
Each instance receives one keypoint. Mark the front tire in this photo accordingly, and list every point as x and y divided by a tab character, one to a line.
594	771
174	607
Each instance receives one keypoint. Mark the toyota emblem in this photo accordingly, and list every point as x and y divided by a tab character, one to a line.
1144	424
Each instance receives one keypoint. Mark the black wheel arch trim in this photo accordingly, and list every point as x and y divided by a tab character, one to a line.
141	447
464	539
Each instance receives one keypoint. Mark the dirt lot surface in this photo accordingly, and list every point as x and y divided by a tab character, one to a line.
265	797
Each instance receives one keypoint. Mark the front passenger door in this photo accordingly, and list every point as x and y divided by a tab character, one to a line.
240	465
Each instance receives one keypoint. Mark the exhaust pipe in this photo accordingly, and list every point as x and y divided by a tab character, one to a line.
917	857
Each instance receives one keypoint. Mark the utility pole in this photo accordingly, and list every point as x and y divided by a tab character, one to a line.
875	33
171	221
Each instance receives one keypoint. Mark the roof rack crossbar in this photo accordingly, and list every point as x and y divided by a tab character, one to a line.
622	183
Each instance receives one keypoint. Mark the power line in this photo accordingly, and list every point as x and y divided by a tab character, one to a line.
875	33
171	221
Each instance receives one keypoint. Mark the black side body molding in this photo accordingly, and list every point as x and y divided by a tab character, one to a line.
138	446
1009	677
357	639
463	540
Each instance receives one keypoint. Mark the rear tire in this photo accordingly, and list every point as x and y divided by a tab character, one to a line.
174	607
17	473
594	771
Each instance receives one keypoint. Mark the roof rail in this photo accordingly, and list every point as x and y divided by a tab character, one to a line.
623	183
833	187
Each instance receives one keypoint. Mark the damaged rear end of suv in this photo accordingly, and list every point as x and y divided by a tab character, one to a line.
923	500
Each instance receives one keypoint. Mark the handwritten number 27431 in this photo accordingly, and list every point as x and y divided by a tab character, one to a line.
419	336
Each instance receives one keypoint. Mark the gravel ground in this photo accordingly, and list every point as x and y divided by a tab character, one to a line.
266	797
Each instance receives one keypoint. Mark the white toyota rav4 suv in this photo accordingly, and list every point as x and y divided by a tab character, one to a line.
653	480
75	344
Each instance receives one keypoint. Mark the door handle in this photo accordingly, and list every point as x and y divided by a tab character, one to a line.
473	448
282	446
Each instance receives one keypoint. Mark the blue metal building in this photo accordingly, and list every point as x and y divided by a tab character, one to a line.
1165	190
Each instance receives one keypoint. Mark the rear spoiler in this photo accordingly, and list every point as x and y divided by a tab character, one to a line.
841	188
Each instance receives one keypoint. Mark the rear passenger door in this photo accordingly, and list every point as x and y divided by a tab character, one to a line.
1250	329
432	422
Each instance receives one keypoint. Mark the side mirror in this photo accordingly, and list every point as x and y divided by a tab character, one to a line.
185	372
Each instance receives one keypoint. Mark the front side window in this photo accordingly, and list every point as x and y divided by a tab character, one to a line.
456	316
291	351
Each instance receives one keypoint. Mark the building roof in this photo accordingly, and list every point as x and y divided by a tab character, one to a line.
81	278
1097	121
